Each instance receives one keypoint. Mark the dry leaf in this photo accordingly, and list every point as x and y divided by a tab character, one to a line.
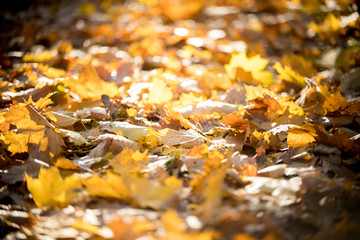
112	186
50	189
301	136
159	93
89	86
249	69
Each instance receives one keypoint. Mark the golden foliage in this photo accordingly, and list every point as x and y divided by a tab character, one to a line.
50	189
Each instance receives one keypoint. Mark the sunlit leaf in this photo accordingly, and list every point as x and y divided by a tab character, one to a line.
255	92
249	69
153	193
128	161
159	93
335	102
89	86
301	136
286	74
112	186
50	189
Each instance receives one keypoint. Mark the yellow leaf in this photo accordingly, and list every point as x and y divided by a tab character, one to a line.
63	163
44	102
132	112
249	69
85	226
112	186
287	74
335	102
19	115
301	136
18	143
32	128
151	140
153	193
41	57
50	189
89	86
51	72
187	99
300	64
159	93
128	161
256	92
178	116
291	113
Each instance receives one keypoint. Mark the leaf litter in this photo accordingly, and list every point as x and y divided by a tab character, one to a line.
180	120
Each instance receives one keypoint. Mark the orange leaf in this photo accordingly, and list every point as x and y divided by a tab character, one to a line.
335	102
301	136
234	121
89	86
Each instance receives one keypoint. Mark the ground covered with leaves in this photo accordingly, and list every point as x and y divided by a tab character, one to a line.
157	119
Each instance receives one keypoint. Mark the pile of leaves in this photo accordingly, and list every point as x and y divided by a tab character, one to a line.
157	119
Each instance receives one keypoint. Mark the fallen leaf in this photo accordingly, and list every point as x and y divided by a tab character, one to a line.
287	74
128	161
335	102
257	92
128	130
301	136
186	139
112	186
236	122
50	189
159	93
152	193
89	86
249	69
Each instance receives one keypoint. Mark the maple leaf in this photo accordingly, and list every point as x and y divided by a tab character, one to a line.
235	121
335	102
32	128
151	140
89	86
159	93
301	136
153	193
128	161
19	115
249	69
255	92
18	142
300	64
174	114
291	114
50	189
287	74
112	186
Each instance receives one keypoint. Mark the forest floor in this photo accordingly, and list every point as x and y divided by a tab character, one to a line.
156	119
